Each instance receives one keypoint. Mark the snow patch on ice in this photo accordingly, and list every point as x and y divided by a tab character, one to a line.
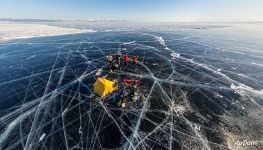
238	52
129	43
243	88
219	95
240	88
11	31
42	137
261	65
242	75
161	41
108	30
30	57
175	55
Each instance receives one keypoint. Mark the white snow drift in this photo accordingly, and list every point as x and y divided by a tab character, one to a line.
10	31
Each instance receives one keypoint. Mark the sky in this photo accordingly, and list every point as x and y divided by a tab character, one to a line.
136	10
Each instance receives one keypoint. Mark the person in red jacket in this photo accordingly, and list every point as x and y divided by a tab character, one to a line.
126	59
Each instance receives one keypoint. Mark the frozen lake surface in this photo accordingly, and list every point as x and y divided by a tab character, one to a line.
203	85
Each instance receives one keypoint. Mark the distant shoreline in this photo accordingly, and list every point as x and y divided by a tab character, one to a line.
13	31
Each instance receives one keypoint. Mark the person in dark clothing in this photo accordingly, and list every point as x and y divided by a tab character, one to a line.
118	60
110	60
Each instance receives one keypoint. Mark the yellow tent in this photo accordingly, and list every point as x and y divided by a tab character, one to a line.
103	87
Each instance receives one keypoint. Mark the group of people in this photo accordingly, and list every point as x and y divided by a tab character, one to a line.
116	63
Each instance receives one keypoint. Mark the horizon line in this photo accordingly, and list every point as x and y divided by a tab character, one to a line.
126	20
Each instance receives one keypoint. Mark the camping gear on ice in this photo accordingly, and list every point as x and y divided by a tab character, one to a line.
119	102
123	105
99	72
131	82
113	89
135	96
103	87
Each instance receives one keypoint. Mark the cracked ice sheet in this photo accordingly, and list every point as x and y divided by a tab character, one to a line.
196	101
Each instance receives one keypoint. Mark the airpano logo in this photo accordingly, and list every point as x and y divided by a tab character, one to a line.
246	143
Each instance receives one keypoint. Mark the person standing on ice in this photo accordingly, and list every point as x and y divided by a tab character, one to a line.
135	60
126	59
118	60
110	60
